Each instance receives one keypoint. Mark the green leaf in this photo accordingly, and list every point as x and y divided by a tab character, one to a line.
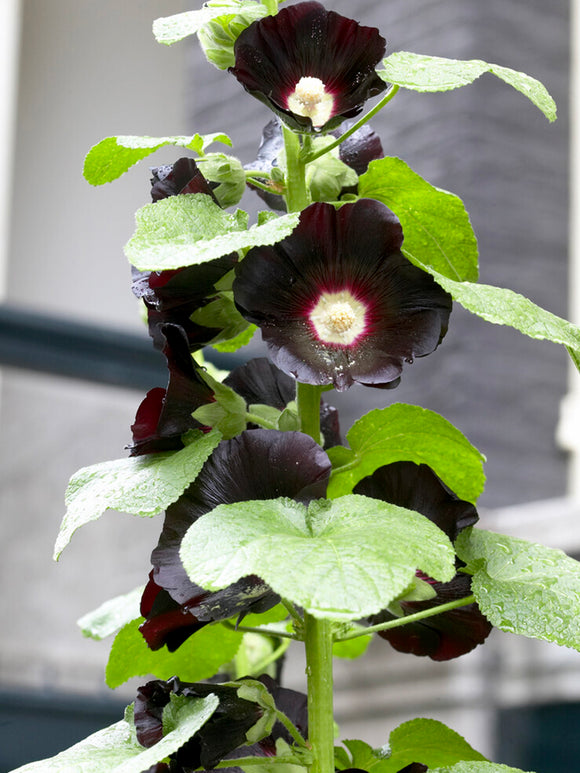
436	226
200	657
171	29
140	485
341	560
505	307
524	588
112	615
113	156
407	433
116	749
429	742
192	229
434	73
479	767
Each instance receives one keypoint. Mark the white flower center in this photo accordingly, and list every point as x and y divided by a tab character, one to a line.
338	318
311	100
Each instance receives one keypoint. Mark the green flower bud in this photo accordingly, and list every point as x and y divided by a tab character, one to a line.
228	172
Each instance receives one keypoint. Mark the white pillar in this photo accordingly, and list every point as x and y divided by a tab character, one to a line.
10	11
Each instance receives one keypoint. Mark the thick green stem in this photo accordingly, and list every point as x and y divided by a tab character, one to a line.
318	643
297	196
308	406
355	127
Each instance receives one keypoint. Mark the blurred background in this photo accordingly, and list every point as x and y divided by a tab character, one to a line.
76	360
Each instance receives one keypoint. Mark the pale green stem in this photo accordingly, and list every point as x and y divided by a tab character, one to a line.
297	196
308	407
408	619
318	644
263	631
355	127
263	664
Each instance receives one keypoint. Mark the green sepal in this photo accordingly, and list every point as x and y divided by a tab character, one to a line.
524	588
199	657
111	615
256	692
435	73
139	485
227	414
436	227
407	433
294	550
116	747
112	157
221	312
191	229
233	344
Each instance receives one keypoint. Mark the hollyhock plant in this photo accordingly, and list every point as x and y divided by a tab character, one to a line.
267	512
449	634
337	302
312	67
258	464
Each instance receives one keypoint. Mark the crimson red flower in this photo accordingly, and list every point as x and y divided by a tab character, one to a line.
312	67
338	302
458	631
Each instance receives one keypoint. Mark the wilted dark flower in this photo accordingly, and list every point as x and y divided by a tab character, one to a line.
165	414
258	464
224	735
338	302
357	151
312	67
450	634
173	296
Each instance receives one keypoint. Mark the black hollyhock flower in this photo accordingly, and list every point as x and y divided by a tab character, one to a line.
258	464
450	634
357	151
338	302
173	296
260	381
165	414
312	67
223	736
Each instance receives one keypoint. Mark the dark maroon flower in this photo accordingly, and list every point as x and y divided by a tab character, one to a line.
357	151
224	735
166	414
173	296
338	302
450	634
312	67
258	464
